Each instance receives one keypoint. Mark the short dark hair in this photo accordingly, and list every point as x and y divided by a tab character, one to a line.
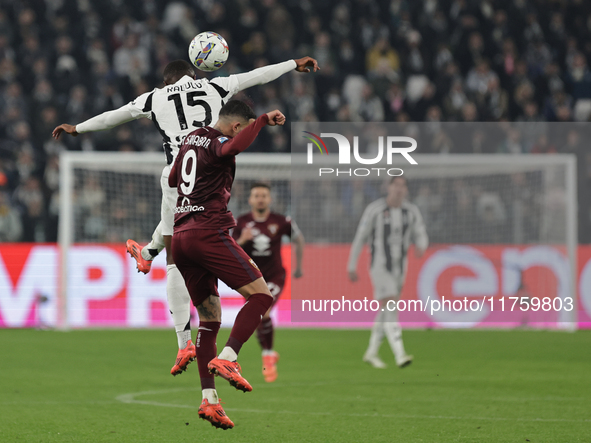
176	70
399	176
260	185
237	108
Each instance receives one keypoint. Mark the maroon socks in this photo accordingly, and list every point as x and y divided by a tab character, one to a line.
265	334
206	349
248	320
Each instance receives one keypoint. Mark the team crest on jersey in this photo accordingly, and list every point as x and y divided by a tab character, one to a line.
223	139
254	265
273	229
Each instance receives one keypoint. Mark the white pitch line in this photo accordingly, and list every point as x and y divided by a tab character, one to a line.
131	399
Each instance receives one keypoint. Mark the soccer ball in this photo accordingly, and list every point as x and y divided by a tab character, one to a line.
208	51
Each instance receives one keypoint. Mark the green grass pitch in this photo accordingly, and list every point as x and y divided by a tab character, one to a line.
464	386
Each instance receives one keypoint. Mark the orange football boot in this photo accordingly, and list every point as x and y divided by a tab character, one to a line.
229	370
135	251
215	414
270	367
183	358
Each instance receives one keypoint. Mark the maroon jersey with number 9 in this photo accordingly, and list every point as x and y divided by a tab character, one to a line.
203	173
204	178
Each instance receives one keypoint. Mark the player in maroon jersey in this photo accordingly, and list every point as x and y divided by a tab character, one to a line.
204	251
259	233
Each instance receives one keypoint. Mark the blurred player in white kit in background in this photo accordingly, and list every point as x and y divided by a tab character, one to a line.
389	225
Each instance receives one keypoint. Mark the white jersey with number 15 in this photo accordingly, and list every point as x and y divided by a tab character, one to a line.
179	109
185	106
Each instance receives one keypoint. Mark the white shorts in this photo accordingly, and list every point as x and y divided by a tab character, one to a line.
169	199
385	284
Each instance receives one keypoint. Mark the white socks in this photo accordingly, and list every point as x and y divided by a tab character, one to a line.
228	354
156	245
211	396
386	324
394	335
183	337
268	352
179	301
179	304
377	335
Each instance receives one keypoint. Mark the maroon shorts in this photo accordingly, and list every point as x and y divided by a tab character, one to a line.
204	255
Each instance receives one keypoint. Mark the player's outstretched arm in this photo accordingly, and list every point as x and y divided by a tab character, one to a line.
265	74
299	252
106	120
68	129
297	238
305	63
419	234
245	137
361	236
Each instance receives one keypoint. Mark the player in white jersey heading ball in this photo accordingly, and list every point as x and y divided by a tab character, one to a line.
184	104
389	226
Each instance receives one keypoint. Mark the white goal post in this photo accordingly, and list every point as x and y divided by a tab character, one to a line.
108	197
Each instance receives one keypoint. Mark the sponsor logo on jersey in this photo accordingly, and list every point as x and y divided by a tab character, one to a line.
261	245
188	208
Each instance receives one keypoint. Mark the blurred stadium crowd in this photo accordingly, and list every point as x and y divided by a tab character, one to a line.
397	60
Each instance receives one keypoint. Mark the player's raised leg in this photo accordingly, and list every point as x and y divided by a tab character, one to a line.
258	301
135	250
180	309
144	256
156	245
179	300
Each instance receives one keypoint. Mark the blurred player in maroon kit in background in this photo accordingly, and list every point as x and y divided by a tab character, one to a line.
259	232
204	251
